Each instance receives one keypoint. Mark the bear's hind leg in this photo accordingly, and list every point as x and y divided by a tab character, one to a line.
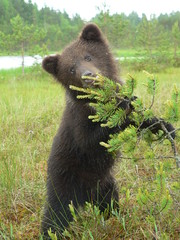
56	216
107	196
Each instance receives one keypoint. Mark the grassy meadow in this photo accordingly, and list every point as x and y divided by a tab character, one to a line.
30	110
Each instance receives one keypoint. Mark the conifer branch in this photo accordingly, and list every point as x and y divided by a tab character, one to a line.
168	135
144	158
116	106
151	86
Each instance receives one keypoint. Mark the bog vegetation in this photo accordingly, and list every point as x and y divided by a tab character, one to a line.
31	107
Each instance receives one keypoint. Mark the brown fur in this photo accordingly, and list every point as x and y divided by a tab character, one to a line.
79	169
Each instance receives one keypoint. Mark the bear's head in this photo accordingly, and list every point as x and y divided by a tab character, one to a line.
86	56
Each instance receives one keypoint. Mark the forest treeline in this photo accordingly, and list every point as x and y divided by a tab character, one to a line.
155	35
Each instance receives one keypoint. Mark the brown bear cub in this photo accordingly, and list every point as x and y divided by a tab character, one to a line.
79	169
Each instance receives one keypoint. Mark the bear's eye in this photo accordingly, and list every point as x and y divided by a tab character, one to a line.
87	58
72	70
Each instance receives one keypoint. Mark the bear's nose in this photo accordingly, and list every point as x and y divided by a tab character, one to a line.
87	81
87	73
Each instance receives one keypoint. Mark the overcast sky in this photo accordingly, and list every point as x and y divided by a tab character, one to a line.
88	9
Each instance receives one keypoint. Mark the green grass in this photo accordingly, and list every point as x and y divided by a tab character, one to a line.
30	109
134	52
125	52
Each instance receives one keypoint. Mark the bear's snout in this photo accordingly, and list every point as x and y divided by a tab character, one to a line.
88	73
87	81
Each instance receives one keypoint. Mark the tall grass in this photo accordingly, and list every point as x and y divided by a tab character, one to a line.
30	110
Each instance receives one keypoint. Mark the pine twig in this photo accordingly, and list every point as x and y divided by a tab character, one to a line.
153	96
144	158
176	156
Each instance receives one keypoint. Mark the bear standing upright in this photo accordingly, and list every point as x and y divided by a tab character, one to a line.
79	169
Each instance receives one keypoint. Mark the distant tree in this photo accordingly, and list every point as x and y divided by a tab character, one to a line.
146	35
113	26
151	36
130	31
104	19
134	19
69	27
175	38
119	31
163	19
174	17
23	37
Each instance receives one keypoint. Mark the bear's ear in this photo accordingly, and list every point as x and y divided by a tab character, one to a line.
50	64
91	32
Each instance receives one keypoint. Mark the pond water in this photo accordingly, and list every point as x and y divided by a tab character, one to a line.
8	62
